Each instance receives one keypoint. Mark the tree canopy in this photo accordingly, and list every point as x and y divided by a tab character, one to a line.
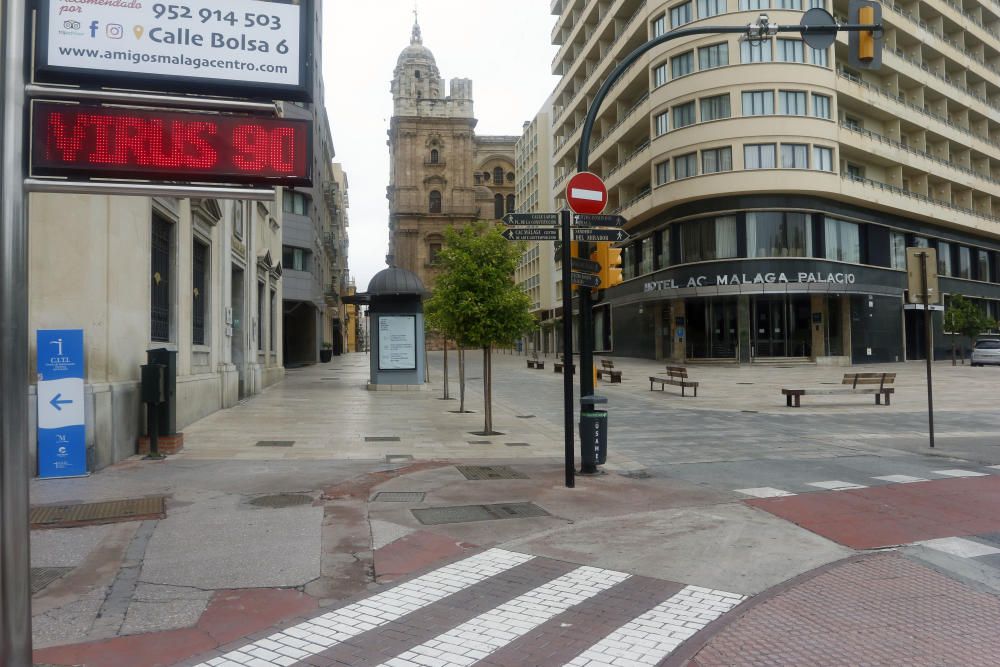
965	318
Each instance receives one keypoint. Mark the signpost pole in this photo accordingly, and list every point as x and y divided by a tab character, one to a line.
15	573
929	335
567	300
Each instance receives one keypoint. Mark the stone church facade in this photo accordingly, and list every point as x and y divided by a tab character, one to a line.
441	173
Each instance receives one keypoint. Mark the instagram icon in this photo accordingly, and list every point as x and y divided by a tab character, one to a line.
115	31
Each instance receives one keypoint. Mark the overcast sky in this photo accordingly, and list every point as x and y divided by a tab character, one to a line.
504	47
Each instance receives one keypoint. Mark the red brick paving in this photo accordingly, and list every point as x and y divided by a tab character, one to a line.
414	552
236	613
895	514
880	610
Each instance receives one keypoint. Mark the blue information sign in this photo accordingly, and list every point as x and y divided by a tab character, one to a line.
62	449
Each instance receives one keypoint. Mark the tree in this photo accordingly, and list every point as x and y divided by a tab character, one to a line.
965	318
475	300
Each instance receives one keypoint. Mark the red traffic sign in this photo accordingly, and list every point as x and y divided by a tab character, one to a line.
586	193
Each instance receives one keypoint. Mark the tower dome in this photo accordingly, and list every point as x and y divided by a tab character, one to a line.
416	78
416	53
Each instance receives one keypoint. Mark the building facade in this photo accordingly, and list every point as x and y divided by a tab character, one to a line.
441	173
771	190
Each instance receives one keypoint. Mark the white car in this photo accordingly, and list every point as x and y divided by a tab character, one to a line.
987	351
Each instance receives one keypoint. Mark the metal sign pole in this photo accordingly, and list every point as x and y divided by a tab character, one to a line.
567	299
15	572
929	335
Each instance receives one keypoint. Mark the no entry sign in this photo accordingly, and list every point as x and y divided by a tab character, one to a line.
586	193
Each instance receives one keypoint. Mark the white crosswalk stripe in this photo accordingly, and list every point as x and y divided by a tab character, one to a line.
959	473
837	485
961	547
653	636
900	479
764	492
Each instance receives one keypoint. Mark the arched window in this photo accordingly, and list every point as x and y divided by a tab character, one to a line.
498	207
498	175
510	203
435	156
435	201
417	74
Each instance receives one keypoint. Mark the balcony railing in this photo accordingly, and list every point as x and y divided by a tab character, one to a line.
916	195
625	117
639	197
639	149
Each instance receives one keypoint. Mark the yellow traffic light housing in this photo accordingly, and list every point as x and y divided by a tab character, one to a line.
865	46
610	260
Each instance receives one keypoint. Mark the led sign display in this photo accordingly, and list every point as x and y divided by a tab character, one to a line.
80	141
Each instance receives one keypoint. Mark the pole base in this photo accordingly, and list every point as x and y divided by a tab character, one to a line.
591	471
154	457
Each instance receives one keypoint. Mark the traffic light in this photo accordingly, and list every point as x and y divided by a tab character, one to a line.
610	260
865	46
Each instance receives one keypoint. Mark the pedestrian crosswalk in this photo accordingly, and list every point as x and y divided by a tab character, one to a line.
862	483
498	606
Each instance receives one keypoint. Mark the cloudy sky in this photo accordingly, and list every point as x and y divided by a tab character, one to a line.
504	47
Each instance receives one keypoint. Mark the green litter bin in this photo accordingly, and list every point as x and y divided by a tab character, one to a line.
593	437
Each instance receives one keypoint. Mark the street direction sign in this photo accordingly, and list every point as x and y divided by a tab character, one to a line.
586	193
600	235
585	265
530	219
585	279
62	431
583	220
531	234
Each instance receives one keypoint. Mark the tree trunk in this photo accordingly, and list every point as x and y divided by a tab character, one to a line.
953	346
461	379
445	397
963	354
487	391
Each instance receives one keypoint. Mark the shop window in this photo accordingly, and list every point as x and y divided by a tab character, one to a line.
843	240
682	65
684	115
715	160
715	107
944	258
680	15
716	55
755	51
704	240
434	202
777	234
759	156
897	249
708	8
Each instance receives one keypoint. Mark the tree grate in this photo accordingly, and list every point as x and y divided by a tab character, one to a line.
480	442
381	438
274	443
433	516
399	497
526	416
41	577
490	472
517	444
282	500
131	509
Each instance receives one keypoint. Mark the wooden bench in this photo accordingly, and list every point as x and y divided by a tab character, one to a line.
677	376
557	366
608	368
860	383
535	362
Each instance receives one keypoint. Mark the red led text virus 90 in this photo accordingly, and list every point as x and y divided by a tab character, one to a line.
77	141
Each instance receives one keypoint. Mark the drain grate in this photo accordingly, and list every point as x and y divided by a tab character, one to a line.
480	442
381	438
517	444
282	500
41	577
130	509
526	416
490	472
398	458
636	474
744	383
399	497
274	443
433	516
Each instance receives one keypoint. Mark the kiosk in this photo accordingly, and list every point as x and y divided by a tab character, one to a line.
395	306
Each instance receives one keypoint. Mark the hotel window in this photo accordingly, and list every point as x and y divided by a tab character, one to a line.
819	57
684	115
792	102
708	8
645	255
821	106
715	107
944	258
660	26
964	262
715	160
756	51
663	261
843	240
776	234
822	158
708	239
791	51
758	156
750	5
680	15
662	123
663	172
788	4
920	242
897	250
628	266
660	75
983	266
794	156
715	55
685	166
758	103
682	64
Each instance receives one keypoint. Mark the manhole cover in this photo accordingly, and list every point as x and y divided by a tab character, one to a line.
749	412
490	472
517	444
381	438
636	474
466	513
526	416
281	500
43	576
329	378
399	497
130	509
480	442
744	383
275	443
398	458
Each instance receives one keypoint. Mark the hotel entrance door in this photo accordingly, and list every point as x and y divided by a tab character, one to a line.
781	326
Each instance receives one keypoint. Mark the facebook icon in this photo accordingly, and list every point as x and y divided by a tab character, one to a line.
93	28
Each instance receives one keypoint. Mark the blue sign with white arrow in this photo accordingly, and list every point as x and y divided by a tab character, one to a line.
62	431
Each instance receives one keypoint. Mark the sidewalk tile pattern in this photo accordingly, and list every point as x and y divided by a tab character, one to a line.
882	610
957	546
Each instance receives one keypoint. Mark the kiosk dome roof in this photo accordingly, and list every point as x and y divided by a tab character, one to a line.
395	281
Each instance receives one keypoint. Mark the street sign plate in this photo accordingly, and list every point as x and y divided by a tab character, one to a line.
585	279
586	193
531	234
600	235
585	265
530	219
598	221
